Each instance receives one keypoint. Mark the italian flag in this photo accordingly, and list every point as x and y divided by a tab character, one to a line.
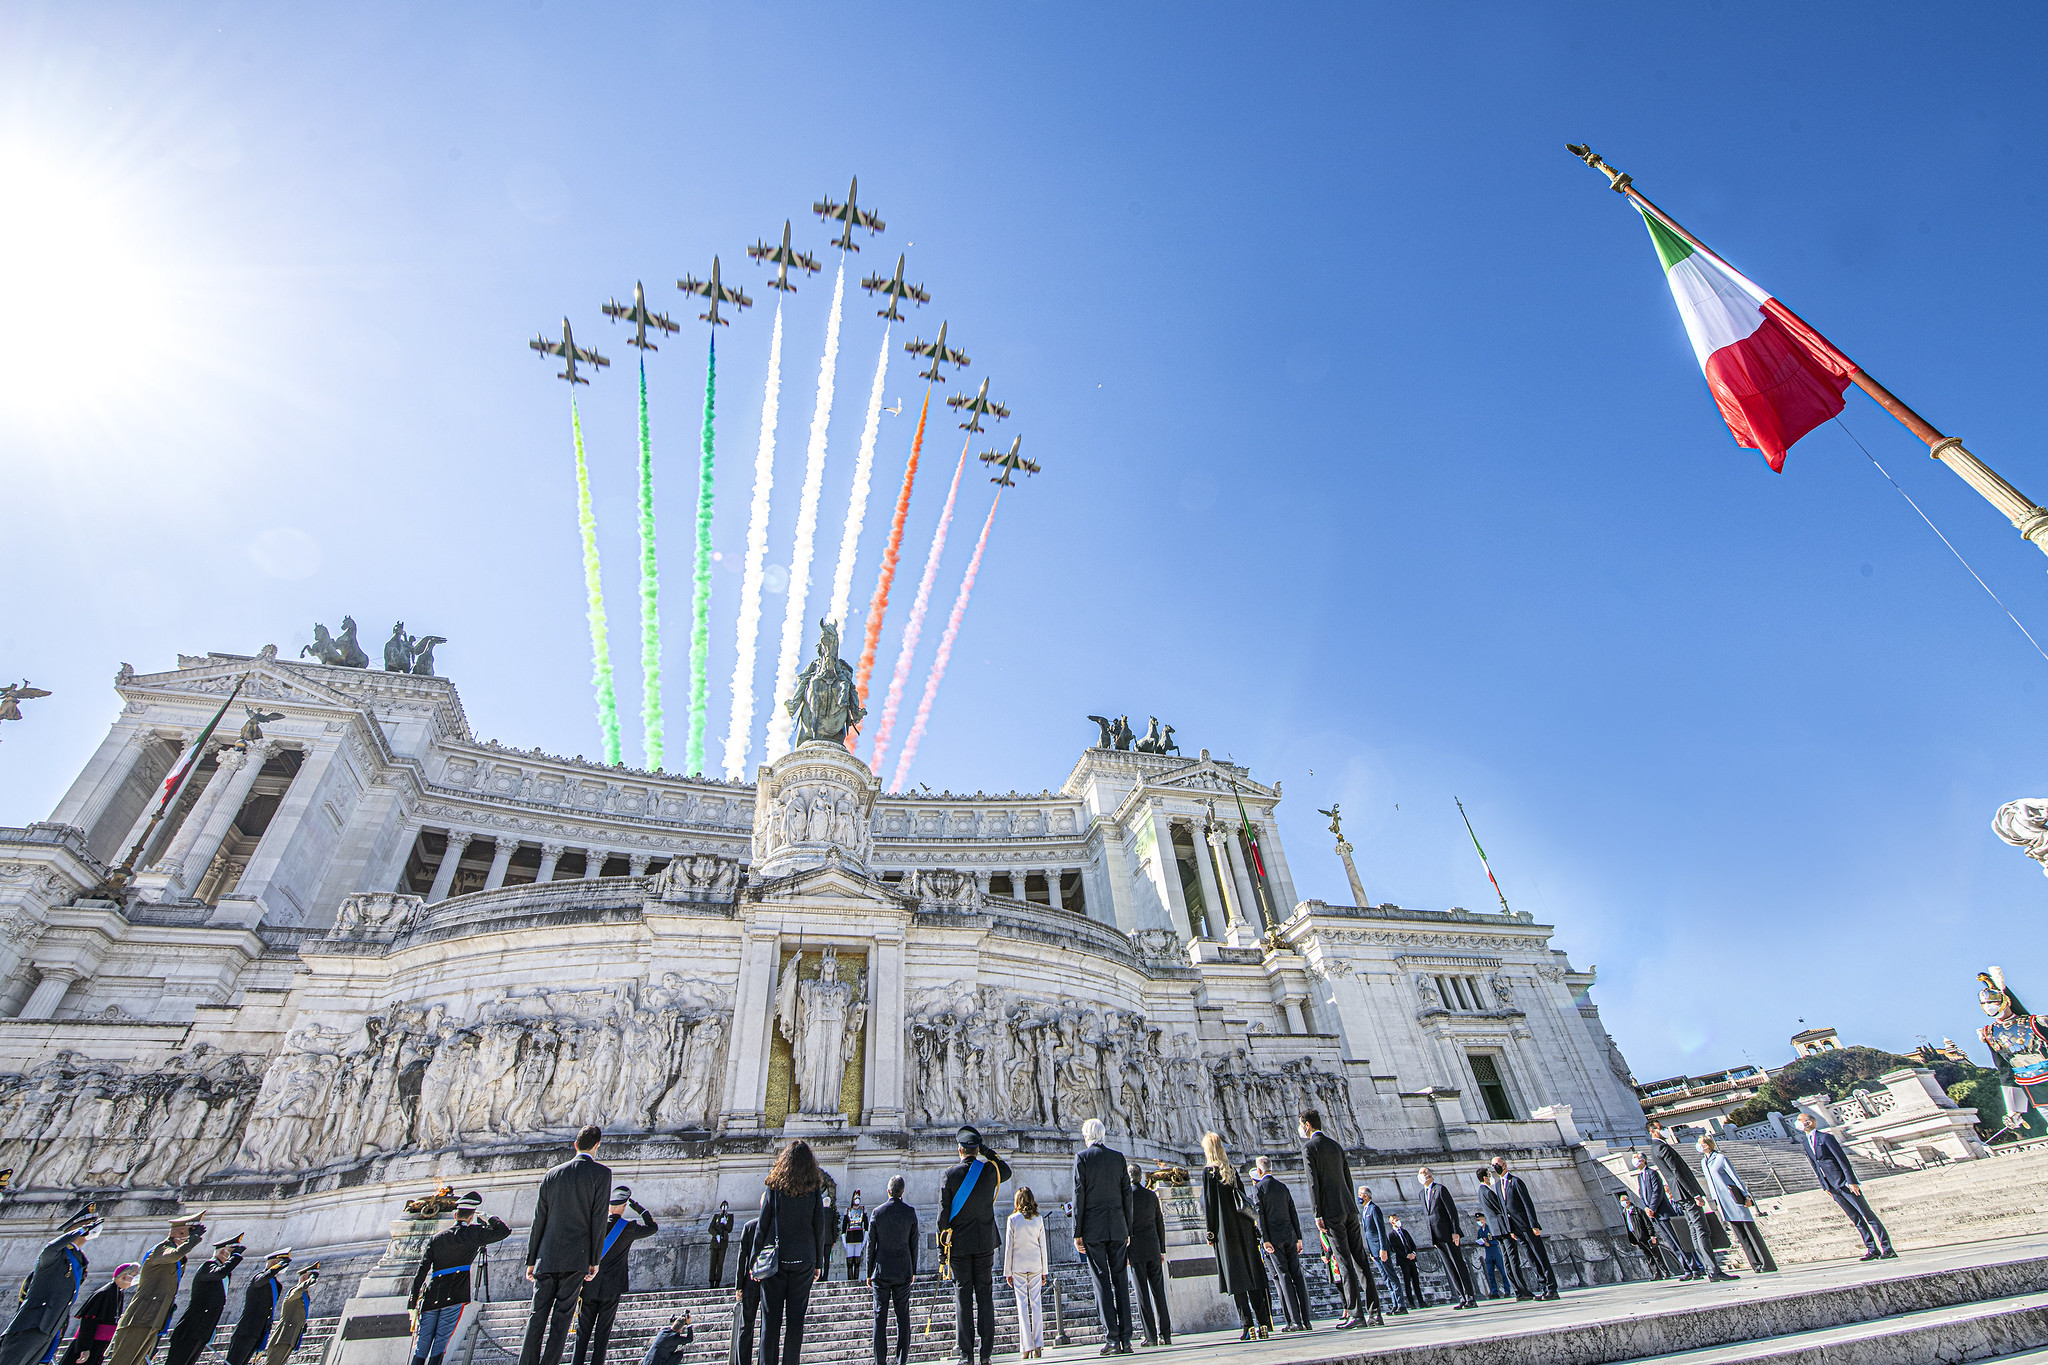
1774	377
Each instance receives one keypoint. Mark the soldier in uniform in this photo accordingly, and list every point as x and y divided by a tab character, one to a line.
2019	1048
156	1289
853	1234
259	1309
290	1328
209	1300
599	1302
721	1233
968	1240
46	1298
441	1285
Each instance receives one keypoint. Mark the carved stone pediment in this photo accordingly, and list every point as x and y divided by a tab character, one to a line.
375	917
701	877
260	679
1207	777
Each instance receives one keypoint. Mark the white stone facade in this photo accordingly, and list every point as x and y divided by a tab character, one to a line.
367	952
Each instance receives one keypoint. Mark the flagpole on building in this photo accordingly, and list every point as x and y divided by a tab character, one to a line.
2027	517
116	880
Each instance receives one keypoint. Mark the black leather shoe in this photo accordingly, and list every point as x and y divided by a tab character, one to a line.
1889	1255
1397	1312
1871	1256
1378	1321
1108	1349
1551	1297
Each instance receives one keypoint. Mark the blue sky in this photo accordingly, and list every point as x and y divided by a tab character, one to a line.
1374	453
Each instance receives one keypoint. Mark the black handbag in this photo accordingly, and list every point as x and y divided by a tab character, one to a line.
767	1256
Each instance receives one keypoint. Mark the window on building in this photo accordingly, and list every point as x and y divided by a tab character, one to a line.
1493	1092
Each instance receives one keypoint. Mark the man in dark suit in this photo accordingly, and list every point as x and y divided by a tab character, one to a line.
720	1230
1373	1221
1148	1260
891	1259
1102	1232
669	1343
1654	1202
746	1292
1831	1167
1280	1232
1401	1243
1685	1192
600	1297
1329	1192
46	1296
1494	1211
1522	1226
1446	1235
564	1247
1641	1234
967	1229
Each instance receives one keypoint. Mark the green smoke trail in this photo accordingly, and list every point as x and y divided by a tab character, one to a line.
650	610
700	607
593	588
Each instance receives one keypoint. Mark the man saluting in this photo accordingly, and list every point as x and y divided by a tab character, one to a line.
601	1296
440	1287
209	1300
967	1228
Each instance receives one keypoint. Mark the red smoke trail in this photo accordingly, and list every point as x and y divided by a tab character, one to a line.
931	684
878	606
914	627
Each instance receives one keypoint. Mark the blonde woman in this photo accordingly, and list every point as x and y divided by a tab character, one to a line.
1024	1266
1234	1232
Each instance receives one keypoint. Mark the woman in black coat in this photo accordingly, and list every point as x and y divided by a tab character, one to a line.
1234	1232
794	1217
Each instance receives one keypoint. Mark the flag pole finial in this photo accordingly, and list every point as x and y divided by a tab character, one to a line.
1618	179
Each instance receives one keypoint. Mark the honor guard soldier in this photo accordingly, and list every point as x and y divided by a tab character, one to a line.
968	1241
853	1234
721	1233
259	1309
600	1300
441	1285
194	1332
46	1298
292	1309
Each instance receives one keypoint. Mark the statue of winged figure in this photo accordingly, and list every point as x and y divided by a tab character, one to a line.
15	693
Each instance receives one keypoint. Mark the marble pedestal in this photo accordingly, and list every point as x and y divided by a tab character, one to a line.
1192	1298
375	1326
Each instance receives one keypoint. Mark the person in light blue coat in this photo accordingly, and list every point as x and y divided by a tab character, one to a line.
1732	1202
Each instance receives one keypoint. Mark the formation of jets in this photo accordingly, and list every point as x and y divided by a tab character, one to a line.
716	292
636	313
1009	462
895	289
849	213
938	352
569	352
782	257
977	407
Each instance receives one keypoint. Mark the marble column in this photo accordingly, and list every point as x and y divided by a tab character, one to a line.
885	1075
746	1063
49	993
503	847
1238	931
1248	895
982	877
227	762
444	875
1052	888
142	821
293	805
1291	1006
550	854
1170	894
636	865
106	775
593	862
1351	871
1212	899
234	784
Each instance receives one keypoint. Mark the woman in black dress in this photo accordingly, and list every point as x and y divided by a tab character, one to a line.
97	1317
1234	1232
794	1217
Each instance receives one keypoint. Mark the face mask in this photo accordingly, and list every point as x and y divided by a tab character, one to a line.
97	1227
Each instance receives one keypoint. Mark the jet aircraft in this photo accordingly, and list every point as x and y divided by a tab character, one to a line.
569	352
977	407
938	351
849	213
1009	463
637	313
896	290
783	256
716	292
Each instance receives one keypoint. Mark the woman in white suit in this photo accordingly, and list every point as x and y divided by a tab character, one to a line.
1732	1202
1024	1267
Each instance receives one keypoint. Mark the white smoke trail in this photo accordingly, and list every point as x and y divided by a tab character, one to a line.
857	507
914	626
740	730
779	721
945	654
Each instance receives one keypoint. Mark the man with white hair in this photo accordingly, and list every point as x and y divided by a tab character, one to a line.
1102	1232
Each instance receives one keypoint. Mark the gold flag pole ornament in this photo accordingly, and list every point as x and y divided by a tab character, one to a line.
2028	518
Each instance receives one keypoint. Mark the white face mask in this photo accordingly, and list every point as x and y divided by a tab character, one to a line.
96	1230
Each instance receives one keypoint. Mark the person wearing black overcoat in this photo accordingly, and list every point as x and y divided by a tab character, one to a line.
1280	1227
1102	1231
1655	1203
97	1316
599	1301
1148	1260
259	1308
1234	1232
891	1260
1685	1191
1641	1234
46	1298
795	1217
746	1292
1401	1250
971	1248
1329	1191
1494	1210
564	1247
208	1300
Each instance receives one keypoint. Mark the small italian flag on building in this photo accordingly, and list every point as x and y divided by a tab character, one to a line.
1774	377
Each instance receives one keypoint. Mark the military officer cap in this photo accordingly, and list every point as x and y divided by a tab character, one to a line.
84	1222
970	1139
471	1201
279	1258
621	1193
233	1241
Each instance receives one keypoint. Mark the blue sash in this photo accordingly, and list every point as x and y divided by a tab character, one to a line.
967	1187
451	1270
611	1237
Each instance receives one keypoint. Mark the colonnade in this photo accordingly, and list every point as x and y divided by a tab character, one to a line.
504	846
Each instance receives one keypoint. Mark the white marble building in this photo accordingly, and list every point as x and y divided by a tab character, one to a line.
366	952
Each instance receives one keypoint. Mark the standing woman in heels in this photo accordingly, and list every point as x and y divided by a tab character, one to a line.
1024	1265
1234	1232
795	1219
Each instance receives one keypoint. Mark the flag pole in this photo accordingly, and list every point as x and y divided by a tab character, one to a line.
1482	858
116	880
2028	518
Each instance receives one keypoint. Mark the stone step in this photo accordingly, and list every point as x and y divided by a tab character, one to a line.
1975	1331
1992	1197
